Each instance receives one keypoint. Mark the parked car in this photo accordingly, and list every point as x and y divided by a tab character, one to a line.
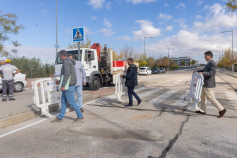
162	70
144	71
155	71
20	82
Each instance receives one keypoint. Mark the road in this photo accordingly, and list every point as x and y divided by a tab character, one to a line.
159	127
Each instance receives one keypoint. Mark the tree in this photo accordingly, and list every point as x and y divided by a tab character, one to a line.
8	26
189	63
231	5
183	63
83	44
127	51
193	62
117	57
142	59
150	62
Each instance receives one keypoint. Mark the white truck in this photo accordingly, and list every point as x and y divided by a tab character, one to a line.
99	65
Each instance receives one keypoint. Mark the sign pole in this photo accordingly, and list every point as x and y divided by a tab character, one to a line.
79	54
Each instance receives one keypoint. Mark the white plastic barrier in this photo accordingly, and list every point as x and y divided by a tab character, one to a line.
119	87
48	87
196	90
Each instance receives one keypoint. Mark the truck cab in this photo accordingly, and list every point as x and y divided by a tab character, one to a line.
98	66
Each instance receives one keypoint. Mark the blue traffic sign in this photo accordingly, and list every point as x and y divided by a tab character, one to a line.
78	34
56	46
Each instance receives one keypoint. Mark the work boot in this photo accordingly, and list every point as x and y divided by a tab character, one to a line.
11	99
4	99
57	120
79	120
199	112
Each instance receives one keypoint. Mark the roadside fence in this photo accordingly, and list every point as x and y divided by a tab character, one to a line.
196	90
119	87
48	87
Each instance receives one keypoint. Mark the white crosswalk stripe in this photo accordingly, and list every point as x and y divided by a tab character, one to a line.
232	97
182	101
150	92
162	97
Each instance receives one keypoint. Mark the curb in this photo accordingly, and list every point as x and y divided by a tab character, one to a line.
32	114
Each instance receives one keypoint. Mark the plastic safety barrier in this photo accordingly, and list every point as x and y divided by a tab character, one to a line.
48	87
196	90
119	86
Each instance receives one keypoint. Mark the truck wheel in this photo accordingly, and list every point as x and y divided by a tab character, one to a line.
95	84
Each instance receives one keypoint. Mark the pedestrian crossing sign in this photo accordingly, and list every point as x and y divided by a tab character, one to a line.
78	34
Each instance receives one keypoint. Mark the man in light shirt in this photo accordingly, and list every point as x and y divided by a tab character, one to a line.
81	80
8	80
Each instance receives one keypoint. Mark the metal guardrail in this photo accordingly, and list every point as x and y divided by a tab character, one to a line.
119	87
48	87
196	90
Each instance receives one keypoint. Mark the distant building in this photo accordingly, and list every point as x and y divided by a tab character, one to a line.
180	59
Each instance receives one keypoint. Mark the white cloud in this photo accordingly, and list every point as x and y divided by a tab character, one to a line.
167	5
217	19
93	17
140	1
127	38
68	31
88	31
109	5
181	5
189	43
206	7
107	32
107	23
199	2
147	29
164	16
45	54
96	4
169	28
181	22
43	11
198	16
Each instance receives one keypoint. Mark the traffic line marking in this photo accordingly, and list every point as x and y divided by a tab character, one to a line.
182	101
162	97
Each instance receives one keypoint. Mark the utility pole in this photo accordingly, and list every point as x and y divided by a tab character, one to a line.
56	28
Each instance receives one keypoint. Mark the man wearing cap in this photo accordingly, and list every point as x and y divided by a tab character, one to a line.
8	81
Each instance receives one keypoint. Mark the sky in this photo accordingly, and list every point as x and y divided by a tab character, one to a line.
188	27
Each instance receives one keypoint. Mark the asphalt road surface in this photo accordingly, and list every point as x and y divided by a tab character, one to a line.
159	127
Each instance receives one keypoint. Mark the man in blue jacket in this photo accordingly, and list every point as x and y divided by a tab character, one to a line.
131	82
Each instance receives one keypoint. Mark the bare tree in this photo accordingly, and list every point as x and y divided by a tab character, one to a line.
128	52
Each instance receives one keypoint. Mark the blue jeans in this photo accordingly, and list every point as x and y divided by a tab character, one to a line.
68	96
132	93
79	95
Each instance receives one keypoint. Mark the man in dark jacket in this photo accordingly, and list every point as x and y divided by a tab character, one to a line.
68	74
131	82
209	73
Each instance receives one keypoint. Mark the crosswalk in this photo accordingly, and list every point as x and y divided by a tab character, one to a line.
176	97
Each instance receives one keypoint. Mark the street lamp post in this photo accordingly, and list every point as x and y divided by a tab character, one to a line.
145	44
56	29
169	58
232	47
